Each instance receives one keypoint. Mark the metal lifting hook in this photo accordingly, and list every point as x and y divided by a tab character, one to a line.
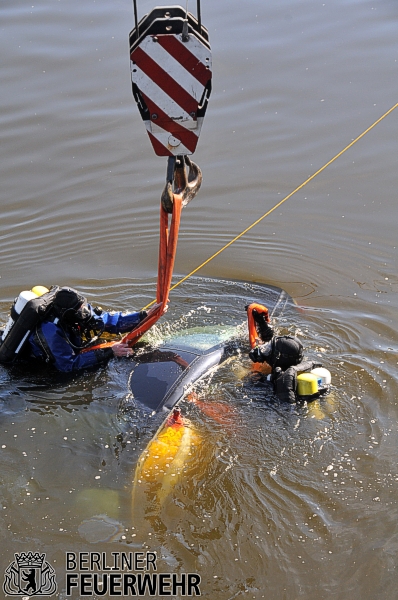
170	32
183	179
199	17
171	77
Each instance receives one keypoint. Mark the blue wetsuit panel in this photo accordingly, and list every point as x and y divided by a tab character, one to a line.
55	349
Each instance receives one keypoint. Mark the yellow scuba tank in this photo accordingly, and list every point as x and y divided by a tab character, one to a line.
313	384
307	384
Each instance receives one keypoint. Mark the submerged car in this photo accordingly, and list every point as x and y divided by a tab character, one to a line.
161	376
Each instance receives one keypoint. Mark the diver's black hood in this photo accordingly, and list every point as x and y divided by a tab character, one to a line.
66	303
76	318
287	351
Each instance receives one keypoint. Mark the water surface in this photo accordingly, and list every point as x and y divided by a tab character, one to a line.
279	502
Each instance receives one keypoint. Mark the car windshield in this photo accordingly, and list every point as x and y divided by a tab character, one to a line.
155	373
201	338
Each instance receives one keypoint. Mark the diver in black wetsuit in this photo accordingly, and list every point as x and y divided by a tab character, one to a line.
284	354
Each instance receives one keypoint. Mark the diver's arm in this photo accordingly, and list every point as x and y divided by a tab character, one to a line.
285	384
264	329
50	344
306	365
120	322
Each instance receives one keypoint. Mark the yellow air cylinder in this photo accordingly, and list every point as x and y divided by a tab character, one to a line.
307	384
39	290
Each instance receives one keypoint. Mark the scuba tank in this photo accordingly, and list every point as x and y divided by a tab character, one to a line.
39	290
313	384
29	308
16	309
324	376
62	305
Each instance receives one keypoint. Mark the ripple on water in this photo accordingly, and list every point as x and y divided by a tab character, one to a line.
274	489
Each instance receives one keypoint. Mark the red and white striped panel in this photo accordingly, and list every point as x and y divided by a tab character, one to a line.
171	76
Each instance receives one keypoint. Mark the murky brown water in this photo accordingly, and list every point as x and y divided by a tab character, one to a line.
279	502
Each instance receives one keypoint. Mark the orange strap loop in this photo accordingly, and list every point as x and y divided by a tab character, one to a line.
254	338
167	252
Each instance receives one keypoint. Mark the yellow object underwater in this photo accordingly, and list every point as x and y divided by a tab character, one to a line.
163	460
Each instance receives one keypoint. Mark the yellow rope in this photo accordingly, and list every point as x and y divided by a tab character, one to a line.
282	201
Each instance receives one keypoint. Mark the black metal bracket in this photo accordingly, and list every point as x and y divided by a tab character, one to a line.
167	19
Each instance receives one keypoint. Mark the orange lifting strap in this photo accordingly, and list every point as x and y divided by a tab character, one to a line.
183	181
167	252
254	338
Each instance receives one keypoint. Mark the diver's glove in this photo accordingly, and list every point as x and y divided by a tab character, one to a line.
256	355
264	328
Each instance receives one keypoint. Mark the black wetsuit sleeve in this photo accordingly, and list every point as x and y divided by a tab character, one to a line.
102	355
306	365
285	384
264	328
